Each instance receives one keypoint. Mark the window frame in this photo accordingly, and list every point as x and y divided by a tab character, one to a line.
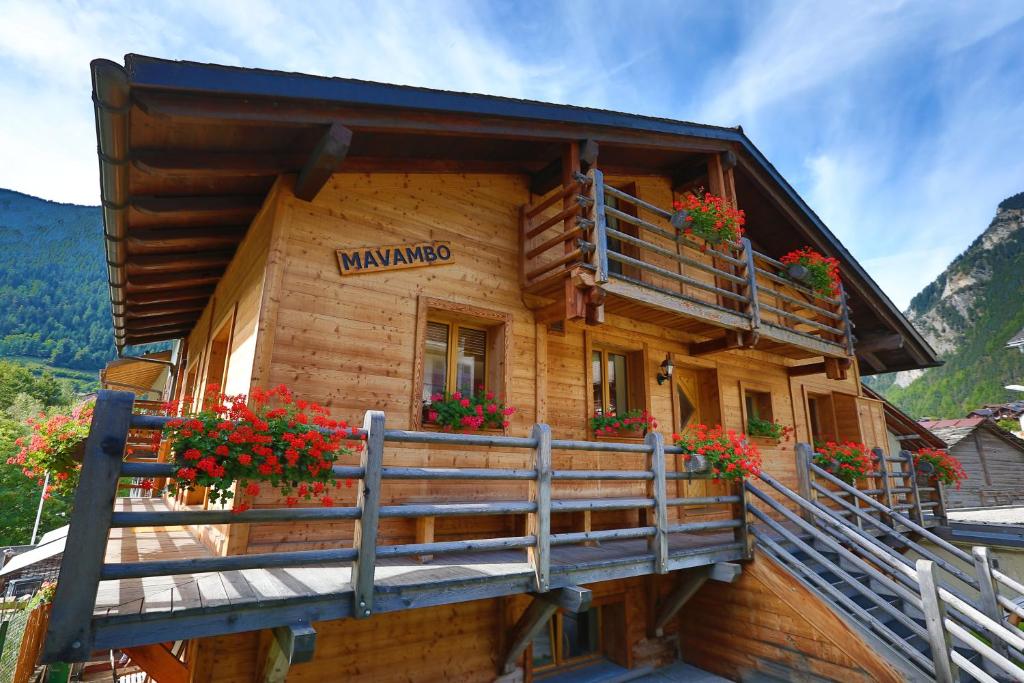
497	365
637	367
556	632
756	388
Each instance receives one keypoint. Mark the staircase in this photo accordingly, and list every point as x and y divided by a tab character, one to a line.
879	570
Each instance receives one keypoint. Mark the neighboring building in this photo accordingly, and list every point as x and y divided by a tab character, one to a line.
370	244
904	432
992	458
149	375
1000	411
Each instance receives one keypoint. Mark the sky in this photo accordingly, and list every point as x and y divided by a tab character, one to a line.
900	123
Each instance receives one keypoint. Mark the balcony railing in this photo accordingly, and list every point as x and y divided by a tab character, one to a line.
625	247
538	560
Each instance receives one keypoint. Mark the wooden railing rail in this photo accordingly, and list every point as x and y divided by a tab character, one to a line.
917	584
70	635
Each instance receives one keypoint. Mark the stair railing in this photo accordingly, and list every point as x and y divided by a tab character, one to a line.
931	598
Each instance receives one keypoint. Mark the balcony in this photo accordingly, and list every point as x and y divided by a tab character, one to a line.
134	575
590	248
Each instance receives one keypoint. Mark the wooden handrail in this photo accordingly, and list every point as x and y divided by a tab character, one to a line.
71	636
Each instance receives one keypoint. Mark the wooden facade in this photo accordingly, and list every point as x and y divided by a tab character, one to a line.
993	460
533	275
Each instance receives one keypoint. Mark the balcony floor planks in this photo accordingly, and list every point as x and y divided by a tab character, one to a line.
155	608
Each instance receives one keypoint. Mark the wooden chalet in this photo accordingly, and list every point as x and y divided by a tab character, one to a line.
992	457
367	244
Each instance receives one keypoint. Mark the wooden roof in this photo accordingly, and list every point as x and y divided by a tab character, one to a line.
135	374
912	434
188	152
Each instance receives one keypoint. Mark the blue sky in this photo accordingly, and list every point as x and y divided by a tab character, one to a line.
901	123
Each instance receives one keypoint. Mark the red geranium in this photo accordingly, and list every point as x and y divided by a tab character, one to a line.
458	411
710	217
51	448
822	271
848	460
948	469
728	454
288	446
635	421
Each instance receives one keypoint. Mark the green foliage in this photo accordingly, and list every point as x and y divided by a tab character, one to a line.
23	392
53	283
1009	425
977	372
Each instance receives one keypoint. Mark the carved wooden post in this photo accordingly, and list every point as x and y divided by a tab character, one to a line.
754	304
69	633
983	564
657	489
364	537
600	258
935	616
804	455
539	521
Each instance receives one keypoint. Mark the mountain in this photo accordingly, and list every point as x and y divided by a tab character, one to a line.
53	283
967	314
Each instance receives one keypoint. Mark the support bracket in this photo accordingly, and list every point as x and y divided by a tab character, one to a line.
544	605
687	586
290	645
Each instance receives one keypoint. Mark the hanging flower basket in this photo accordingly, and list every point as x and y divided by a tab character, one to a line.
727	454
708	217
849	461
291	448
458	412
56	447
938	465
633	423
816	272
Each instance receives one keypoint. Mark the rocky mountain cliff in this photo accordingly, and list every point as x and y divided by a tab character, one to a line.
967	314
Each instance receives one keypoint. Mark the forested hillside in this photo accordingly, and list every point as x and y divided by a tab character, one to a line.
53	283
967	314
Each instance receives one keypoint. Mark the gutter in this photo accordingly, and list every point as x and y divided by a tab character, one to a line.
111	102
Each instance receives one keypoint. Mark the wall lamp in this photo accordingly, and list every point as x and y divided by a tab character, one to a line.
666	369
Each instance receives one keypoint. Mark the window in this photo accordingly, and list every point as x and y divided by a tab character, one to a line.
568	638
758	405
459	348
610	382
454	359
686	410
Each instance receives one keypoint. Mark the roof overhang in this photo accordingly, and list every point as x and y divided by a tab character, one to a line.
188	152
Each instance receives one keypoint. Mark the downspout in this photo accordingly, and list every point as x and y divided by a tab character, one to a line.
112	102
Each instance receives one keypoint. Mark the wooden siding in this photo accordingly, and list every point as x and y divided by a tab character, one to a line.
994	467
768	623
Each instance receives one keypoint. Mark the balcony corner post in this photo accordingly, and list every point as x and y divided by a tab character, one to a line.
804	458
539	521
69	634
658	491
600	228
364	536
754	305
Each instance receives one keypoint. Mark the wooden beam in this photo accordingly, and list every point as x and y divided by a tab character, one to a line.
158	663
173	162
686	587
573	599
327	156
178	320
177	262
733	339
173	295
835	368
871	360
136	311
201	204
872	343
290	645
152	240
172	281
552	175
145	337
808	369
529	625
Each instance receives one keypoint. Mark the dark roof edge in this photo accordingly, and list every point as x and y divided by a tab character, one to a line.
152	72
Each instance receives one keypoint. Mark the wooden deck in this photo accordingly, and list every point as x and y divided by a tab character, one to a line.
153	609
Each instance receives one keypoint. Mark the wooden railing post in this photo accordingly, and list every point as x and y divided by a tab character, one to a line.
657	490
935	617
916	512
804	457
983	564
754	304
883	469
847	325
364	536
600	256
69	634
539	521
